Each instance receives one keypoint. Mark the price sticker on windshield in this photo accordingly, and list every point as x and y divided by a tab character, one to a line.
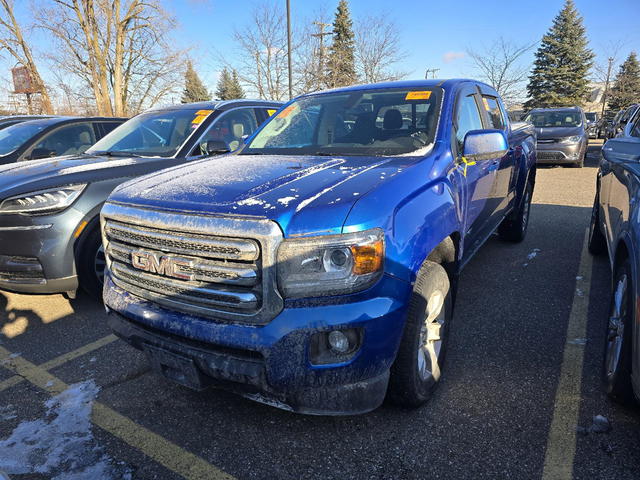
271	111
199	119
486	104
418	95
287	111
201	113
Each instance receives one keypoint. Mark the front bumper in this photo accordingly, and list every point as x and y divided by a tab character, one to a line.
558	153
37	252
272	363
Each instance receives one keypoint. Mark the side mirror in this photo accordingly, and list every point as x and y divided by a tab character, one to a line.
617	150
217	147
38	153
482	145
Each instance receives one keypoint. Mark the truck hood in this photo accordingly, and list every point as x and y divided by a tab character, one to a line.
303	194
548	133
29	176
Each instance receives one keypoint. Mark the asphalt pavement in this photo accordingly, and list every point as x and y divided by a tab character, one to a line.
522	375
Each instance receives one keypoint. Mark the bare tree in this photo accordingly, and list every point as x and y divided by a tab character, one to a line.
13	41
119	48
261	52
605	65
500	65
378	48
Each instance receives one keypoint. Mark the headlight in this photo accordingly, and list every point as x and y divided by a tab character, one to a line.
43	201
575	139
331	265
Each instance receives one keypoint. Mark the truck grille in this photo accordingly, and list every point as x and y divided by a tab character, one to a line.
210	268
542	155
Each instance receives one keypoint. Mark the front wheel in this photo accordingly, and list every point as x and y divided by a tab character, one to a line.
91	264
418	365
516	230
597	242
616	372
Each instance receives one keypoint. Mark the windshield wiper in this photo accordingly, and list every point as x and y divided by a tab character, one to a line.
323	154
115	153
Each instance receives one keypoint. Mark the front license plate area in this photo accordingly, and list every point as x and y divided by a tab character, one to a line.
175	367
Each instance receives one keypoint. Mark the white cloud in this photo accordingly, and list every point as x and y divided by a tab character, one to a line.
451	56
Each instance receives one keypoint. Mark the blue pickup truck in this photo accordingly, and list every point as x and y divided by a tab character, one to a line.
316	269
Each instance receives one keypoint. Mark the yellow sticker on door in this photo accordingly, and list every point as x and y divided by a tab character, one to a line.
418	95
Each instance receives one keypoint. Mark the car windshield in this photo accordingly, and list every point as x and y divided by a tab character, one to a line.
591	117
372	122
554	119
14	136
159	133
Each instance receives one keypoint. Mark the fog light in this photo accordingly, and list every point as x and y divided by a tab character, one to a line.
339	342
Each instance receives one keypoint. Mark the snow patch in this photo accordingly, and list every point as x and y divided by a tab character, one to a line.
531	255
285	201
61	445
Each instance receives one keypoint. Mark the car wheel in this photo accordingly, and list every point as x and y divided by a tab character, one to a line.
616	372
516	230
417	369
91	264
597	242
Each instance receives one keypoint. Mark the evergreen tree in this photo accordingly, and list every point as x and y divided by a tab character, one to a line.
626	88
559	75
194	89
341	62
229	87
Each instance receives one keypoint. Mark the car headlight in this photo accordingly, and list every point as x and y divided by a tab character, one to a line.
574	139
330	265
43	201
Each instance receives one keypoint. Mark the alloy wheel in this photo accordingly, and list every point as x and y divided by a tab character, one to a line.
430	344
615	329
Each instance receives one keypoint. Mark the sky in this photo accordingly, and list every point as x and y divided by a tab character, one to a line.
434	34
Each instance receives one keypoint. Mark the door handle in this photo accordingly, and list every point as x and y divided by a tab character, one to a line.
494	165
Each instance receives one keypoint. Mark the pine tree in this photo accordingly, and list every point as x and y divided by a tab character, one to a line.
194	89
229	87
341	62
559	75
626	88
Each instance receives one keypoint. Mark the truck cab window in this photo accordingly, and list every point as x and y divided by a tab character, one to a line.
230	127
494	112
468	119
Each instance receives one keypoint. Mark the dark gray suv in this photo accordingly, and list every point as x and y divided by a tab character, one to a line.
562	136
49	209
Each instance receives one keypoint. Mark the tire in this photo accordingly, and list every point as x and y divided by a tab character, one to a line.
597	243
417	369
91	264
616	369
516	230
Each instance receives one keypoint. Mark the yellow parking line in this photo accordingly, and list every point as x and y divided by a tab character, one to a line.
62	359
561	443
151	444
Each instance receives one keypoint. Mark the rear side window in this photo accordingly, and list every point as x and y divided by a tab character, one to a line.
230	127
468	119
635	130
69	140
493	112
107	127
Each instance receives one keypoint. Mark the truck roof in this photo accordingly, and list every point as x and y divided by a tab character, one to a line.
409	84
218	104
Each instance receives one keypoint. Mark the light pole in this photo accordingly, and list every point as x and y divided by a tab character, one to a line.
289	48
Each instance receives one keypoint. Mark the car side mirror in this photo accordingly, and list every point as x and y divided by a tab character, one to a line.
217	147
482	145
38	153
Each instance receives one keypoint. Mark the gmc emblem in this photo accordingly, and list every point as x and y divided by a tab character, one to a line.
166	266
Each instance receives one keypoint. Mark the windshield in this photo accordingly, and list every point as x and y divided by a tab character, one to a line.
591	117
13	137
371	122
153	134
554	119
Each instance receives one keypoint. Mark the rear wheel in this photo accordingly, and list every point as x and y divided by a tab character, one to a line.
597	242
516	230
616	372
91	264
418	366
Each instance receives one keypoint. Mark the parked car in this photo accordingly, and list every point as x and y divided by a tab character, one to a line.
592	119
623	119
7	121
316	269
562	138
51	137
604	126
49	213
615	230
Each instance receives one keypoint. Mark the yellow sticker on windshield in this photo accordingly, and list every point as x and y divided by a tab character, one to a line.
486	104
418	95
271	111
287	111
199	119
203	112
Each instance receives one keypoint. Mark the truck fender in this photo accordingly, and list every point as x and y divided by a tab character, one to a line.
526	171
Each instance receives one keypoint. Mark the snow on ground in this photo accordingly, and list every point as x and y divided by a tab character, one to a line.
61	445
